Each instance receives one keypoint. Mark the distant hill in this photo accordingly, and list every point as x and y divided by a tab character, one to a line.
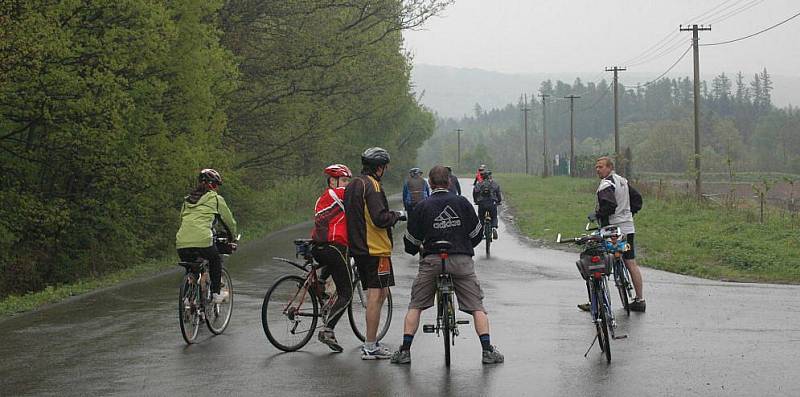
453	92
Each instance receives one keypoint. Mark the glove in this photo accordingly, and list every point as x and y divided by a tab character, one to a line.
402	216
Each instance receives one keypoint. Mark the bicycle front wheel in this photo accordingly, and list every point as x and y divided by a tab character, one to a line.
621	280
189	309
357	313
218	315
289	313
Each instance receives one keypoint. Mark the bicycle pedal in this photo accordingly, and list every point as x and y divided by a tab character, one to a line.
462	322
621	337
428	328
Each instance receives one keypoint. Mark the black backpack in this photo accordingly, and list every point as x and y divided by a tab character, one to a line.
635	199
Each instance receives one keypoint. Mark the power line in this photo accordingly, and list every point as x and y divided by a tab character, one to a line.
735	12
669	39
709	14
671	36
665	72
754	34
671	49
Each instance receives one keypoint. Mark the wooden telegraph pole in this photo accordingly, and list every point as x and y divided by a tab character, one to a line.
572	99
694	29
544	135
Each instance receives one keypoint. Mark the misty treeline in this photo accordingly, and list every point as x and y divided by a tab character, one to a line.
741	130
109	108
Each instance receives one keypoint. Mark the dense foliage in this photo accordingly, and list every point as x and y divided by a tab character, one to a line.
109	108
739	126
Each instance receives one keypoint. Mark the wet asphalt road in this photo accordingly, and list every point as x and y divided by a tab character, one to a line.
698	337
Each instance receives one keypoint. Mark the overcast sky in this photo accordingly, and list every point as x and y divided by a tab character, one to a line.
584	36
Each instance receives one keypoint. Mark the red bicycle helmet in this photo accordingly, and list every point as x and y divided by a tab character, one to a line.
338	171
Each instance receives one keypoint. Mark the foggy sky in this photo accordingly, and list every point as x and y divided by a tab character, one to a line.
584	36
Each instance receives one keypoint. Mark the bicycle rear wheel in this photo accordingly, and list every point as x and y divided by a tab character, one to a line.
289	313
218	315
603	324
357	313
449	322
188	309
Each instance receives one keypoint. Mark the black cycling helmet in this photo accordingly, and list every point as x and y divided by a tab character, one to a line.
375	156
415	171
210	175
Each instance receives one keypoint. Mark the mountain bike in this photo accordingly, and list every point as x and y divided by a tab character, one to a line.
195	304
616	246
294	304
487	231
446	322
594	265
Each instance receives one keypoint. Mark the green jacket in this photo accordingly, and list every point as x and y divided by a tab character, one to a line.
198	220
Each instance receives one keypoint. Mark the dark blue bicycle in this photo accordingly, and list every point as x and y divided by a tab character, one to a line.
595	265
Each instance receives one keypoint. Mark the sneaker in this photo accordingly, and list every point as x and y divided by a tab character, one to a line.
220	297
494	233
638	305
378	353
492	356
585	307
329	338
401	357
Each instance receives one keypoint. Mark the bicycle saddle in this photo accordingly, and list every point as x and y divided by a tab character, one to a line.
302	241
441	245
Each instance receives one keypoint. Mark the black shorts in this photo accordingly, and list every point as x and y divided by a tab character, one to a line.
370	274
631	253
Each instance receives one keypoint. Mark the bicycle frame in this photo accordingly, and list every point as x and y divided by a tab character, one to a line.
444	295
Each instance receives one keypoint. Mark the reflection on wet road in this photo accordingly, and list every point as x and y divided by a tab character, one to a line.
699	337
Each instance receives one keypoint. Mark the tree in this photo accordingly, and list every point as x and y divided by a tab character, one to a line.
742	92
766	89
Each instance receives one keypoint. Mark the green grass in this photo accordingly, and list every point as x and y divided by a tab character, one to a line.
676	234
51	294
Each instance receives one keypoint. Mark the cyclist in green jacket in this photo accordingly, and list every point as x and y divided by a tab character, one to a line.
205	214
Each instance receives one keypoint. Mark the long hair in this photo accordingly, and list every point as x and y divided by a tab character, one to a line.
199	190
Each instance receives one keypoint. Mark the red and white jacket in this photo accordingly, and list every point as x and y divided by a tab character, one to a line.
330	224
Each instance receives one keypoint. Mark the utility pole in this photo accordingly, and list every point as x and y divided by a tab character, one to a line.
525	111
544	135
617	155
459	131
572	99
694	29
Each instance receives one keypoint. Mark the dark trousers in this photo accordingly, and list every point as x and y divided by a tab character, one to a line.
492	208
214	262
337	264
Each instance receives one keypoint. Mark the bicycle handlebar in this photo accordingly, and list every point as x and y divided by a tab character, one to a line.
577	240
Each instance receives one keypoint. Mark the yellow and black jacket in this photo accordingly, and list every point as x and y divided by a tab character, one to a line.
369	220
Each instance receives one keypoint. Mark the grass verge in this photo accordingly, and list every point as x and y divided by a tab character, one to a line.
673	233
268	210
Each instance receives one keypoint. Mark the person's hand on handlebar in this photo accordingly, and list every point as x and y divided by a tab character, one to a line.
402	215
